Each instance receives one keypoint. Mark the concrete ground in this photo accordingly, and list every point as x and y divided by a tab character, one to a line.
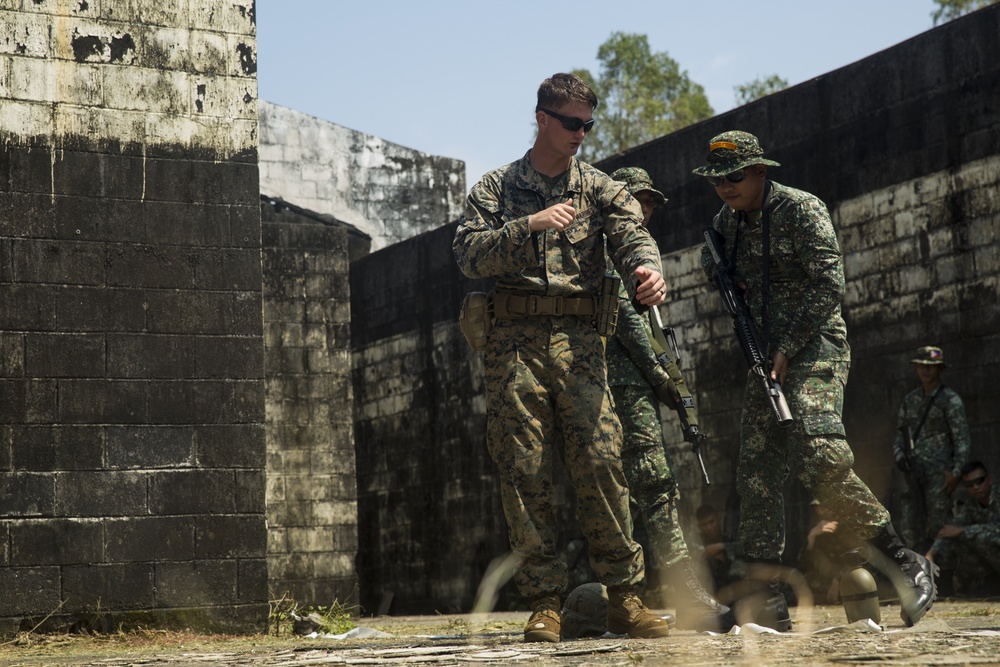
954	633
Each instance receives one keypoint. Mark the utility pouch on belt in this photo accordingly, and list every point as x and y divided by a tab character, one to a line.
606	318
476	319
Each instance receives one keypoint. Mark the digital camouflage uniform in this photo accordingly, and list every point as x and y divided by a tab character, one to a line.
546	379
807	288
942	445
632	372
975	554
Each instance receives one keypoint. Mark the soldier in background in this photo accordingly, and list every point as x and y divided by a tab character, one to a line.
639	382
541	226
932	445
722	555
969	545
783	251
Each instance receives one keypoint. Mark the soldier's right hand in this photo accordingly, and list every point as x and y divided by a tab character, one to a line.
666	392
557	216
899	456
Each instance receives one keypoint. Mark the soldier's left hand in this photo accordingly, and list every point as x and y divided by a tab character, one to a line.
950	530
652	290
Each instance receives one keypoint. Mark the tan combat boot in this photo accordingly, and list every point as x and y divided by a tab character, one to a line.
543	626
627	615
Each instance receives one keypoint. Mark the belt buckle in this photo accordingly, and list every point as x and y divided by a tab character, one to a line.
531	304
559	309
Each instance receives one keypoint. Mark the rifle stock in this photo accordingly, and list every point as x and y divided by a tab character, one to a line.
746	331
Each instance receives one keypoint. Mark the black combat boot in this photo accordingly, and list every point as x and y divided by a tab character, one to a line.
911	574
764	603
696	608
544	624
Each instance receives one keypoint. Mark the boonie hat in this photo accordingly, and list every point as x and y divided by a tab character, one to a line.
732	151
929	356
637	180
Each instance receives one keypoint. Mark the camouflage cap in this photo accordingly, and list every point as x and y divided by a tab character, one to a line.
637	180
929	356
732	151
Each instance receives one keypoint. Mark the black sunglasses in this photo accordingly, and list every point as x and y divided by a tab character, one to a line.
969	483
732	177
571	123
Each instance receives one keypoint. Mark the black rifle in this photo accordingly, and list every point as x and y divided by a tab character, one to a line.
746	331
914	481
684	406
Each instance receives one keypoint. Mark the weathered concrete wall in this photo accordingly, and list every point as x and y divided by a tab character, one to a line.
312	514
131	372
388	191
903	147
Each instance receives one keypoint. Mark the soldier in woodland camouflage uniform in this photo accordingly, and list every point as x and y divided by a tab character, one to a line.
969	545
806	341
540	226
638	383
933	417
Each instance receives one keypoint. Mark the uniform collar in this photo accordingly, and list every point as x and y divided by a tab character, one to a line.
529	179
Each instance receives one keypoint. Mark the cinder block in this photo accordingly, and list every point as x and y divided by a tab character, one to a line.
150	539
196	584
192	492
29	590
231	536
95	493
56	542
108	587
27	494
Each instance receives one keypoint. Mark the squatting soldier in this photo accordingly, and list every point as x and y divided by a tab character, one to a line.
932	445
969	545
794	294
540	226
638	383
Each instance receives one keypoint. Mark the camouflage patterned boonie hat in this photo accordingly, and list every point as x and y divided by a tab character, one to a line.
733	151
637	180
929	356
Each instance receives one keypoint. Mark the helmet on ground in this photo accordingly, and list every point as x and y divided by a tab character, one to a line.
585	613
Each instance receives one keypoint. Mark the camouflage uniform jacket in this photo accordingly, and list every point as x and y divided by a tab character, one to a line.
982	524
631	358
806	274
944	441
493	238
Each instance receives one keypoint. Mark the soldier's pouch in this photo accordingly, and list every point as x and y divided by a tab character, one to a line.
476	319
823	423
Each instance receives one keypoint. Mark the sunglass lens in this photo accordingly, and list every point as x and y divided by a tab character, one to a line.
735	176
588	126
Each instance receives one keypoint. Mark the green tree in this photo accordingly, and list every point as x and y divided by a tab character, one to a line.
759	88
952	9
643	95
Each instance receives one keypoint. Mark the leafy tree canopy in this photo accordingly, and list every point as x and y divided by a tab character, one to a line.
643	96
952	9
758	88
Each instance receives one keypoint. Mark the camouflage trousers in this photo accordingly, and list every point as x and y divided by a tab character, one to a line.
546	388
649	472
922	506
815	444
976	563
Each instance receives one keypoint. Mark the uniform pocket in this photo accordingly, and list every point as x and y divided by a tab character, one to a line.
586	224
823	423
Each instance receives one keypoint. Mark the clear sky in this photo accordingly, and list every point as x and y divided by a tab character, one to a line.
458	78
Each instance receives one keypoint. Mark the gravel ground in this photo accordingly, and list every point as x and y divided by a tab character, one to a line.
954	633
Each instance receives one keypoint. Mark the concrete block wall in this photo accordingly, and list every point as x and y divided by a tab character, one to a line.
902	146
311	483
388	191
131	372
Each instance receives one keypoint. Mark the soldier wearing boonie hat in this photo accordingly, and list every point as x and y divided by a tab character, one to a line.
932	444
640	186
795	291
638	384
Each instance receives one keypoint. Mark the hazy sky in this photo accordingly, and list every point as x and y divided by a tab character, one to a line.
458	78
